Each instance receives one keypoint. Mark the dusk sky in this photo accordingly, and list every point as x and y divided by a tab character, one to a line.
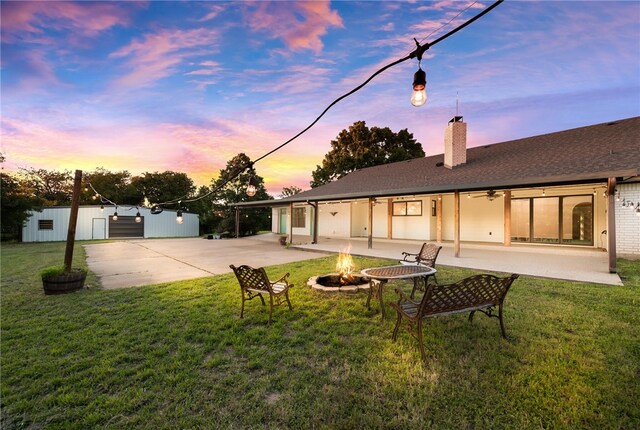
185	86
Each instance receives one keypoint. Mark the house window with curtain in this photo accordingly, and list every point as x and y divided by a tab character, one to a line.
298	217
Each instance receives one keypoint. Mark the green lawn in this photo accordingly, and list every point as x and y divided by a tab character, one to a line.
176	355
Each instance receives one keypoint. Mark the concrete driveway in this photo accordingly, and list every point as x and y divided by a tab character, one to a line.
130	263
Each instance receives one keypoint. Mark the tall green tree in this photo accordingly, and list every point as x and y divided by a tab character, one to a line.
252	220
166	186
114	186
53	187
359	146
16	202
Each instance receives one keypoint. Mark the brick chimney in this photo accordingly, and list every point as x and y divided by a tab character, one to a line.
455	143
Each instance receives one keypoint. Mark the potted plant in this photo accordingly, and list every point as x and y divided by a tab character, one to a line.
283	240
58	280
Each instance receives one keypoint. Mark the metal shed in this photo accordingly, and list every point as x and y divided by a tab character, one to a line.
94	223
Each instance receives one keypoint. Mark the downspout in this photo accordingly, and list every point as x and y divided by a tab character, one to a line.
290	223
456	221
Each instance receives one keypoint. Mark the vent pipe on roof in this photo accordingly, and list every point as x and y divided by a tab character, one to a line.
455	143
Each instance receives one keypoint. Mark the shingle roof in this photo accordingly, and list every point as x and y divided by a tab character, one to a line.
585	154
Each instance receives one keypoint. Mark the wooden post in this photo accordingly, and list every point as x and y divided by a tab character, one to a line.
507	218
237	222
439	219
370	226
314	238
73	221
456	221
290	223
390	218
611	224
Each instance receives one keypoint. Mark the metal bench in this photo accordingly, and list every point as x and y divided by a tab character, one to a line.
476	293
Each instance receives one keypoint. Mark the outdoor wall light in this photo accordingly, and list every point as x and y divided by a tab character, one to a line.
252	186
179	218
419	96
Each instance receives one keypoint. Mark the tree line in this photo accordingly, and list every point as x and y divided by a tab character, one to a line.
354	148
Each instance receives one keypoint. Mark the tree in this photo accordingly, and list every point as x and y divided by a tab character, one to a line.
163	187
53	187
16	202
114	186
252	220
290	191
360	147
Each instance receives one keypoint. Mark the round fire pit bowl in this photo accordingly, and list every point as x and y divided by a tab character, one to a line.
331	282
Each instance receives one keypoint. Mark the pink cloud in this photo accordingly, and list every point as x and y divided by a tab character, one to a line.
87	19
214	11
157	55
208	68
300	25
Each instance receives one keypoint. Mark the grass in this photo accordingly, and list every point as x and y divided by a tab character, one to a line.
176	355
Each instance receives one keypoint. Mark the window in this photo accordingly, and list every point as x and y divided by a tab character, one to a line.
412	208
298	217
45	224
565	219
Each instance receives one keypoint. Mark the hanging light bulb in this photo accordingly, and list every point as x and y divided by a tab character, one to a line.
543	193
101	208
419	95
138	217
617	196
594	191
638	209
252	186
624	203
179	218
115	214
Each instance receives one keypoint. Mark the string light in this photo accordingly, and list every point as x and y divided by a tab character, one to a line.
115	214
179	218
416	53
101	208
138	217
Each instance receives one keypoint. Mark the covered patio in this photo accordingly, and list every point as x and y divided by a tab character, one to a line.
570	263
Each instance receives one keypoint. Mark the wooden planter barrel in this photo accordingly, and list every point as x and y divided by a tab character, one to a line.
66	283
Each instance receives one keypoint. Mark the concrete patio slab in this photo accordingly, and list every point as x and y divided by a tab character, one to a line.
130	263
570	263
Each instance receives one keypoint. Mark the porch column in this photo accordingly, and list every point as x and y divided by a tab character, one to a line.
290	223
507	218
237	222
611	224
390	218
314	238
370	226
439	219
456	226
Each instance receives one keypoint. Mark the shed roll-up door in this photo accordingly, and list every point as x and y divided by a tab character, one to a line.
126	226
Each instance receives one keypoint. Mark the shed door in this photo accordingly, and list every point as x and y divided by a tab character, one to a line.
125	226
99	229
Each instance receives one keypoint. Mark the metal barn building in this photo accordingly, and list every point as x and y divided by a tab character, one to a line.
52	223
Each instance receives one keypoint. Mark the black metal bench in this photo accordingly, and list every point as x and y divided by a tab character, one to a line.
476	293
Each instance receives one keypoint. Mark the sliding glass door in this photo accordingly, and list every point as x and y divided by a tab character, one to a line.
553	220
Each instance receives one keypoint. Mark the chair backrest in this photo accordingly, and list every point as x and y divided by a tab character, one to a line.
428	254
248	277
478	290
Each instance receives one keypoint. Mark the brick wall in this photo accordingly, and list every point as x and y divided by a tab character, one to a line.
455	144
628	221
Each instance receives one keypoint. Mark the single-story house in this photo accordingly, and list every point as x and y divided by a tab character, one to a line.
578	187
96	222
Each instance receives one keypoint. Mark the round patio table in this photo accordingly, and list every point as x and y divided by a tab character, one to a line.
379	276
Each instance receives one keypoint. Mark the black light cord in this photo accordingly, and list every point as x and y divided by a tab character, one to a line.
416	53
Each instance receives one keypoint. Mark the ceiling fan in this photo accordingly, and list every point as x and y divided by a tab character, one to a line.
490	195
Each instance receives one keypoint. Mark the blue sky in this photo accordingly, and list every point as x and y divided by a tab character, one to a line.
184	86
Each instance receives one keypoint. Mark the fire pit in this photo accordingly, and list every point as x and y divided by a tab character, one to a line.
342	281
